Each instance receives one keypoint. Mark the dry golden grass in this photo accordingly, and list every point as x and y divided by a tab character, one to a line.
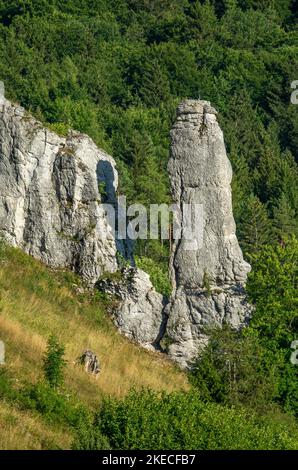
36	302
22	430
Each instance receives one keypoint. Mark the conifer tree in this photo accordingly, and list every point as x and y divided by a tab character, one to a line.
285	222
54	362
241	185
255	229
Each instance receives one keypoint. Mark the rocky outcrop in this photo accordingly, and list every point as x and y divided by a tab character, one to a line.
137	309
53	192
53	196
208	279
50	202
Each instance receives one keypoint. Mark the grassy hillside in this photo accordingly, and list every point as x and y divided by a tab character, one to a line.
124	408
23	430
35	302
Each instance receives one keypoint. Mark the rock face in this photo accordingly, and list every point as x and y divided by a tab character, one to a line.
52	191
50	203
138	310
208	280
52	195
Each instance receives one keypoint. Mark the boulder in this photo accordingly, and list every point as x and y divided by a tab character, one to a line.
138	310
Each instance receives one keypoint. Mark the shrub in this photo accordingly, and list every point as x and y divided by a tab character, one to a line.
146	420
54	406
273	287
90	438
6	387
59	128
235	369
54	362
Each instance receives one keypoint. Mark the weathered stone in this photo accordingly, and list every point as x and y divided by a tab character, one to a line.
90	362
50	204
209	280
52	191
138	308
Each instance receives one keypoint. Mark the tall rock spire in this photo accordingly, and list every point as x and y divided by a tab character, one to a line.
208	279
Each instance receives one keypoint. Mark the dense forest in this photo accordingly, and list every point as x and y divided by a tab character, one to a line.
116	70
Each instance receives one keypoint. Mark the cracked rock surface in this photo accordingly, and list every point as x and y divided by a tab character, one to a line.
209	278
138	309
50	204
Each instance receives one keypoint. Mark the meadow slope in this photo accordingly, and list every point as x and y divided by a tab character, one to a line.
35	302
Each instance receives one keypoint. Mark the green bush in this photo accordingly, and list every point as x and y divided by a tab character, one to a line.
59	128
146	420
235	369
54	406
54	362
273	288
6	385
90	438
253	367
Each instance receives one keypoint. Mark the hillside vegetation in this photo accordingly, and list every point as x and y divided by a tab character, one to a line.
36	302
164	410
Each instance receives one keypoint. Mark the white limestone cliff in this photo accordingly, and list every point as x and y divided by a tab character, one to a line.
50	203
